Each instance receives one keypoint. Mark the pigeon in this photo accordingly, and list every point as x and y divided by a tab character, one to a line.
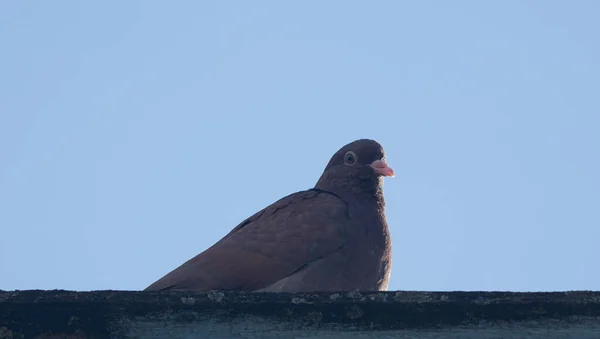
332	237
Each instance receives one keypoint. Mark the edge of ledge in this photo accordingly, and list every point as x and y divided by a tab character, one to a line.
112	313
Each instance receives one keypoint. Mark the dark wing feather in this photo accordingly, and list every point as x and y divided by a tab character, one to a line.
268	246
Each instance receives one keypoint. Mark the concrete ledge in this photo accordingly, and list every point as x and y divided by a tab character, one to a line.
124	314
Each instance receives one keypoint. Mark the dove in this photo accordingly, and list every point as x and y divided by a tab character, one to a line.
332	237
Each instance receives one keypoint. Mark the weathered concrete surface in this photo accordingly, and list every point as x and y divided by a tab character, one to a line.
121	314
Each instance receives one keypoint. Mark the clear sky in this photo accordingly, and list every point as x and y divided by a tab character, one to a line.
135	134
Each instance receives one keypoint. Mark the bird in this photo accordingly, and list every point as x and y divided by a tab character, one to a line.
332	237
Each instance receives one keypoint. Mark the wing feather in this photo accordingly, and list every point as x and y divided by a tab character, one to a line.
268	246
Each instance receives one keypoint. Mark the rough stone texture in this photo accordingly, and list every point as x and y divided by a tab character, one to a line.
124	314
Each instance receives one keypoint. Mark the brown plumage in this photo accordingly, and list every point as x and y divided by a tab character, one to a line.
333	237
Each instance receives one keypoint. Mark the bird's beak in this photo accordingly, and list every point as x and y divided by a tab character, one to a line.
382	168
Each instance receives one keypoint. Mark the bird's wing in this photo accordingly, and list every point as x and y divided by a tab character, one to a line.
268	246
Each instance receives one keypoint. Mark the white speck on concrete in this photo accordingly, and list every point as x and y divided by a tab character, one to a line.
188	300
299	301
354	294
216	296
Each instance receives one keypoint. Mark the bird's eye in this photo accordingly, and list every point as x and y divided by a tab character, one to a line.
350	158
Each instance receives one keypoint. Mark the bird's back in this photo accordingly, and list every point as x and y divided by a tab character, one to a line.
268	246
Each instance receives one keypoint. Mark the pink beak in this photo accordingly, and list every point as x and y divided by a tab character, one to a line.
382	168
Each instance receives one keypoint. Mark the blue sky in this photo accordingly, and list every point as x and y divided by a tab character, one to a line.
135	134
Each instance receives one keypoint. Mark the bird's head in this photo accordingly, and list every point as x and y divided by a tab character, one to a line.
359	166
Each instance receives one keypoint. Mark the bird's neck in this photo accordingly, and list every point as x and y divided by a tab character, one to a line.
365	191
